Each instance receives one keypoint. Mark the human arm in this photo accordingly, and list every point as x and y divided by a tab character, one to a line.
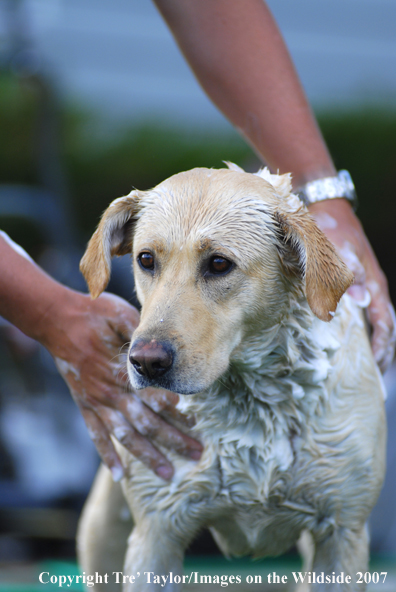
241	61
85	337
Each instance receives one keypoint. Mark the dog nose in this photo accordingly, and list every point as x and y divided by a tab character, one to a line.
151	359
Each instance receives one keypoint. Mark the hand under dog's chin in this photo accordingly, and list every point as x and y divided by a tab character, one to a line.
176	386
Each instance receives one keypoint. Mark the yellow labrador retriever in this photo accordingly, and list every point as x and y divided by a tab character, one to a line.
237	286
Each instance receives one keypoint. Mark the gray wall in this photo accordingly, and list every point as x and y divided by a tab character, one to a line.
118	56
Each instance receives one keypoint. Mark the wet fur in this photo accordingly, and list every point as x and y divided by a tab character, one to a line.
288	406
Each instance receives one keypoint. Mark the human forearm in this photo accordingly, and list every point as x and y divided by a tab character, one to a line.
27	293
241	61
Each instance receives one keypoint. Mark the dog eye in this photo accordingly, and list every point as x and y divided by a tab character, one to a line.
219	265
146	260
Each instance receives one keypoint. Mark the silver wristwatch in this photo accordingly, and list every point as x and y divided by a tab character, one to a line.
329	188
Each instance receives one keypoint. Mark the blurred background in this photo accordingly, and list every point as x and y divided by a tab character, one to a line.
95	98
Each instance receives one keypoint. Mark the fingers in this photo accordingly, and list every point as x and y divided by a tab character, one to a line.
136	427
101	438
135	443
383	340
164	403
173	414
124	317
107	411
380	313
153	427
112	422
358	290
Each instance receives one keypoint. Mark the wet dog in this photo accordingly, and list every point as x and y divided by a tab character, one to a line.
239	292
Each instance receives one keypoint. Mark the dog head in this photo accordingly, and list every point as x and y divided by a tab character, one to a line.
216	254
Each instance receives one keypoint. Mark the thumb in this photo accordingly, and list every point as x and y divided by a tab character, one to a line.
358	291
122	317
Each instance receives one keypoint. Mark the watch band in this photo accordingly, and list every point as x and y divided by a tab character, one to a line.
329	188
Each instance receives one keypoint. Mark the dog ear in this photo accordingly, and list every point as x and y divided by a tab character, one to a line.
113	237
306	251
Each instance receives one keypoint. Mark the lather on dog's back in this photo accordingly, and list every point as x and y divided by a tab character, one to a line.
237	286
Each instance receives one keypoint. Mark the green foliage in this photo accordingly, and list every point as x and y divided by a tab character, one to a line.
17	132
142	157
364	142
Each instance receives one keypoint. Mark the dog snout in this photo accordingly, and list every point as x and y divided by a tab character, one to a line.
151	359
